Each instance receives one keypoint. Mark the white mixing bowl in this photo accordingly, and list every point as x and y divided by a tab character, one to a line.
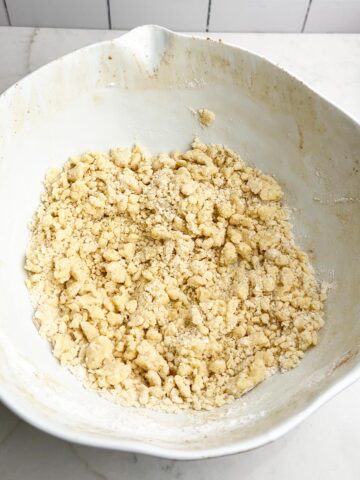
139	88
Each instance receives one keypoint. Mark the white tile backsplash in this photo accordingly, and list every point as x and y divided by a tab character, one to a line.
58	13
334	16
185	15
257	15
3	16
340	16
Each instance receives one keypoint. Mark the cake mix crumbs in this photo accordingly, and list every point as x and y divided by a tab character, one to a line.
172	280
206	117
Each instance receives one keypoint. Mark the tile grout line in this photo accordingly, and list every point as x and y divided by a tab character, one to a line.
109	14
306	16
208	16
7	12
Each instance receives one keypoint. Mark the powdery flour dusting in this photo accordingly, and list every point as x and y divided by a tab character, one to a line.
174	280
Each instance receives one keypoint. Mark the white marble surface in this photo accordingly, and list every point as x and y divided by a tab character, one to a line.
324	446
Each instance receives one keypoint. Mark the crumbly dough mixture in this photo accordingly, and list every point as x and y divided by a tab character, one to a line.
173	280
206	117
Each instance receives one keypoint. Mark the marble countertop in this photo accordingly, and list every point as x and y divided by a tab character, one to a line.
327	444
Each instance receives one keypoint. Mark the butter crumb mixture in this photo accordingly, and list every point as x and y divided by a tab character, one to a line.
206	117
173	280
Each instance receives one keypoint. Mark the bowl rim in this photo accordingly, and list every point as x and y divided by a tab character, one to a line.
142	447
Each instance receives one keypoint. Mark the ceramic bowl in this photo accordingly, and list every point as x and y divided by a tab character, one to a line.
140	88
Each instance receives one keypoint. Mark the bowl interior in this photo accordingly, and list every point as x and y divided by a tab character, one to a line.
140	88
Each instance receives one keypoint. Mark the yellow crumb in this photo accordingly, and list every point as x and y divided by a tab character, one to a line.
206	117
173	280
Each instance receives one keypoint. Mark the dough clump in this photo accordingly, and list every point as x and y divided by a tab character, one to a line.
206	117
172	280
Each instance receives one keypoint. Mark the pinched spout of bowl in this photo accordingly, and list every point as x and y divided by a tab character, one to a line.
148	44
